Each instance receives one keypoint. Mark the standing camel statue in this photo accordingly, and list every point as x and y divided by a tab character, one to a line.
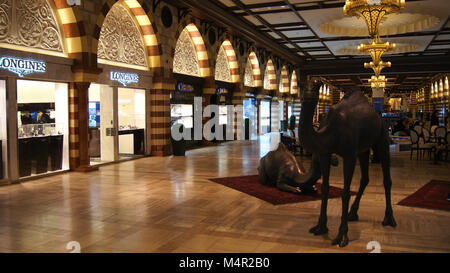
350	129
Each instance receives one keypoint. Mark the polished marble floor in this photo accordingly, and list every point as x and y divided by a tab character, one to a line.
167	204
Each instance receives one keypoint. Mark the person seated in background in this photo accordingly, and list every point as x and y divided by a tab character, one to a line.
402	127
41	118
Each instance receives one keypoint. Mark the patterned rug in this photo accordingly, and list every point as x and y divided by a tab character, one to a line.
251	186
431	196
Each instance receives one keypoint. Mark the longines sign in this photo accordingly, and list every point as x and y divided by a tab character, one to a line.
22	67
124	78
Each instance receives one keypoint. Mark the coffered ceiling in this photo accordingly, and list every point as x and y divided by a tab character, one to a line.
324	40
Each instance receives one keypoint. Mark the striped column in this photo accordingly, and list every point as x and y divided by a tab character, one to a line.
297	111
238	99
79	126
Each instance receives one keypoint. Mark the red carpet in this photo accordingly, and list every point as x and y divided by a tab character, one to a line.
431	196
251	186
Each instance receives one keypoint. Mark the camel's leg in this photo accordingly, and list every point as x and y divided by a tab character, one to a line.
321	227
349	167
385	164
364	164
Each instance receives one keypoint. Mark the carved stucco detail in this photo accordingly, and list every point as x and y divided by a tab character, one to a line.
29	23
185	59
120	39
223	72
248	76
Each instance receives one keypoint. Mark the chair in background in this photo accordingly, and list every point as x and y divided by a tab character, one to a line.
416	145
418	129
426	135
440	134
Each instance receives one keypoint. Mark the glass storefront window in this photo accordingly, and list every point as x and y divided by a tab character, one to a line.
281	110
265	116
182	113
131	110
101	123
43	127
222	114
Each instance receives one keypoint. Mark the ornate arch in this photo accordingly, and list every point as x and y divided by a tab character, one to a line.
294	83
284	81
149	36
190	43
226	64
252	77
270	78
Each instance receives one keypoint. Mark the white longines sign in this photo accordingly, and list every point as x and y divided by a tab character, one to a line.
21	66
124	78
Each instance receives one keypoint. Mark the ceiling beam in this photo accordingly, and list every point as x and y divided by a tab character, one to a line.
215	12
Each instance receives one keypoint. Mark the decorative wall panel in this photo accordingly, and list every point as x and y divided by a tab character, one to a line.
120	39
223	72
29	23
185	59
248	76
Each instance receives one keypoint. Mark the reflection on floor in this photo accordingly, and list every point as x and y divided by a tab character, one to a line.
167	204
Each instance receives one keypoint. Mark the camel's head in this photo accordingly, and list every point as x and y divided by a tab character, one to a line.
312	93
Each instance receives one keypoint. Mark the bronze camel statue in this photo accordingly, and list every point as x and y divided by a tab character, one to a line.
279	168
349	130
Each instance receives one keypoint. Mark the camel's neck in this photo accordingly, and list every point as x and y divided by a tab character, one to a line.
307	133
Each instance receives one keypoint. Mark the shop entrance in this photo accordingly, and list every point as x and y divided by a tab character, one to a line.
43	127
131	110
117	123
102	124
264	114
250	118
3	132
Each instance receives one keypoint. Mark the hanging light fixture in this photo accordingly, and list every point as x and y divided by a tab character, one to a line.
446	89
373	12
378	81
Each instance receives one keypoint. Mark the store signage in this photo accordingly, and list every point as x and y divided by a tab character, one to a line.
74	2
124	78
183	87
222	91
22	67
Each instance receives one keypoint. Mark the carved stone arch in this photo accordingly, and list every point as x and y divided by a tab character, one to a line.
252	77
190	43
35	25
294	84
226	59
140	16
270	77
284	81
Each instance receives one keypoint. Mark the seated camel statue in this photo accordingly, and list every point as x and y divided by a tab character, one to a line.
349	130
279	168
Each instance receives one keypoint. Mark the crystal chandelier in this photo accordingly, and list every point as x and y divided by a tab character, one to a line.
378	81
373	12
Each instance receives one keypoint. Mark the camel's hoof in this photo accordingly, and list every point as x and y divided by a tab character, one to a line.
319	230
341	240
353	216
389	221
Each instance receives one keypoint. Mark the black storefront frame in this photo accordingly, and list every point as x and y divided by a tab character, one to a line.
184	97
